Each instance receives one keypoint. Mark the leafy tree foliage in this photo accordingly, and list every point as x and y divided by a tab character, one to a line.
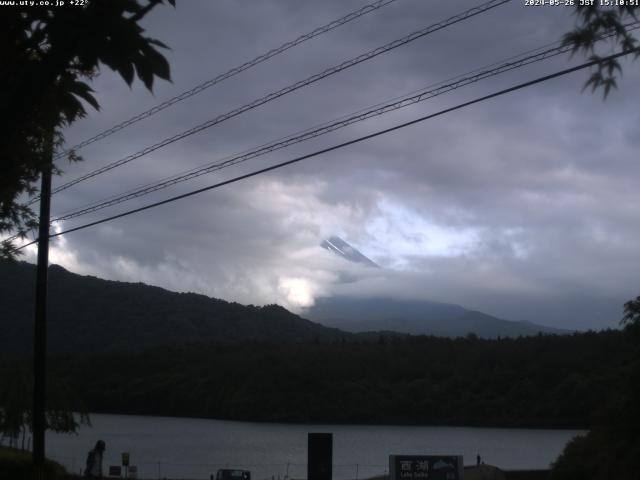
612	447
631	316
48	55
594	21
16	397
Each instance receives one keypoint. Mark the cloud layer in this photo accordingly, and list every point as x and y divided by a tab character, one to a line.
525	207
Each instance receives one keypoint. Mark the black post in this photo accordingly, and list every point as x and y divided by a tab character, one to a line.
40	331
320	456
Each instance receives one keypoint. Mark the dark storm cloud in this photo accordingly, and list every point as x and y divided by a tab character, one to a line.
524	207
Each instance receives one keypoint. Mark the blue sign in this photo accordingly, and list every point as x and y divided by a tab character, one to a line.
425	467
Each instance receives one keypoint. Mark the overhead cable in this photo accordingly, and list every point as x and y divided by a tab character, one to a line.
291	88
230	73
307	135
342	145
377	110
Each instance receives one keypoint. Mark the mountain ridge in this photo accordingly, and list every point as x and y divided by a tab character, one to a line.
89	314
416	317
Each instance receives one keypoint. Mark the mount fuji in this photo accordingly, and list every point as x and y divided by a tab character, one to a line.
418	317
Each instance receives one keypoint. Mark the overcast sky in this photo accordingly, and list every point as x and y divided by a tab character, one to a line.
525	207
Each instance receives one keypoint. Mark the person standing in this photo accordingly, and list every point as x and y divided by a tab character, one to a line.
94	461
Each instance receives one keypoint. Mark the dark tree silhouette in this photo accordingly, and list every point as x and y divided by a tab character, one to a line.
632	312
631	317
16	396
48	54
594	21
612	446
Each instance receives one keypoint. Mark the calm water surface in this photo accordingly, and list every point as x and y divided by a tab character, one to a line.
168	447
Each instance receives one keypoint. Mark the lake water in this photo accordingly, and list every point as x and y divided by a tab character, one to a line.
168	447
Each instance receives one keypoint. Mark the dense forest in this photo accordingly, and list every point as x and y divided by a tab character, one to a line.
543	381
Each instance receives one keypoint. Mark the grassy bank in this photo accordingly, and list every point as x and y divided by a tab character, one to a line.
16	464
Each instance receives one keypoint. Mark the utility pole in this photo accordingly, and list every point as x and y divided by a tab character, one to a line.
40	330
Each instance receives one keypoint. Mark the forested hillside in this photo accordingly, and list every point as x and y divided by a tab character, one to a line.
544	381
88	314
132	348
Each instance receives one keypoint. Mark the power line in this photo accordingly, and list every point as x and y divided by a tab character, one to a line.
516	61
309	134
230	73
293	87
314	132
513	62
344	144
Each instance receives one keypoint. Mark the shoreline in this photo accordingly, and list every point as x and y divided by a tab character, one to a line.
343	424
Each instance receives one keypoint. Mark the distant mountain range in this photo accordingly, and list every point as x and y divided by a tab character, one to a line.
88	314
419	317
